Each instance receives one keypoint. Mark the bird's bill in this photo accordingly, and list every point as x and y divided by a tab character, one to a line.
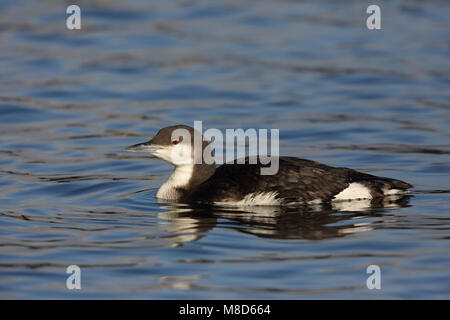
142	147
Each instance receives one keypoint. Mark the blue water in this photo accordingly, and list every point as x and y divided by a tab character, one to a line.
70	101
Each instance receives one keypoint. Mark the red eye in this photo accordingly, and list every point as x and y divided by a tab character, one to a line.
175	142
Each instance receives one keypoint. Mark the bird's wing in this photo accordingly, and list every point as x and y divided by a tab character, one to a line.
297	180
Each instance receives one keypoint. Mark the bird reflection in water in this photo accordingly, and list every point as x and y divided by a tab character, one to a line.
189	223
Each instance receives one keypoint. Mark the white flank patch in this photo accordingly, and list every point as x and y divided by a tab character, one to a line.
354	191
254	199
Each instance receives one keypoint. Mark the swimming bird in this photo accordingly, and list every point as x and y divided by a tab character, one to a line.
297	182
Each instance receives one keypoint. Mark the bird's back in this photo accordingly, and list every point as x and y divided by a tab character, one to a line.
297	181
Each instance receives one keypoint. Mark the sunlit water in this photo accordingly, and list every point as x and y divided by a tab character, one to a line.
70	101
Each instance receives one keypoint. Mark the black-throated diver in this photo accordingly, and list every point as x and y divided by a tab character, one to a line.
298	181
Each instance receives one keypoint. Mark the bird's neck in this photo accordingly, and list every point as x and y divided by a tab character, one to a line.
184	179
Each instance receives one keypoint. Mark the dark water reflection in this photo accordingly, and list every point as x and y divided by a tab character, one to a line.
309	223
376	101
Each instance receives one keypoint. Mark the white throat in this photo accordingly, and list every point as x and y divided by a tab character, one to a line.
179	179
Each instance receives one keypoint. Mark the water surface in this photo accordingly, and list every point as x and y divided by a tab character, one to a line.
70	101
